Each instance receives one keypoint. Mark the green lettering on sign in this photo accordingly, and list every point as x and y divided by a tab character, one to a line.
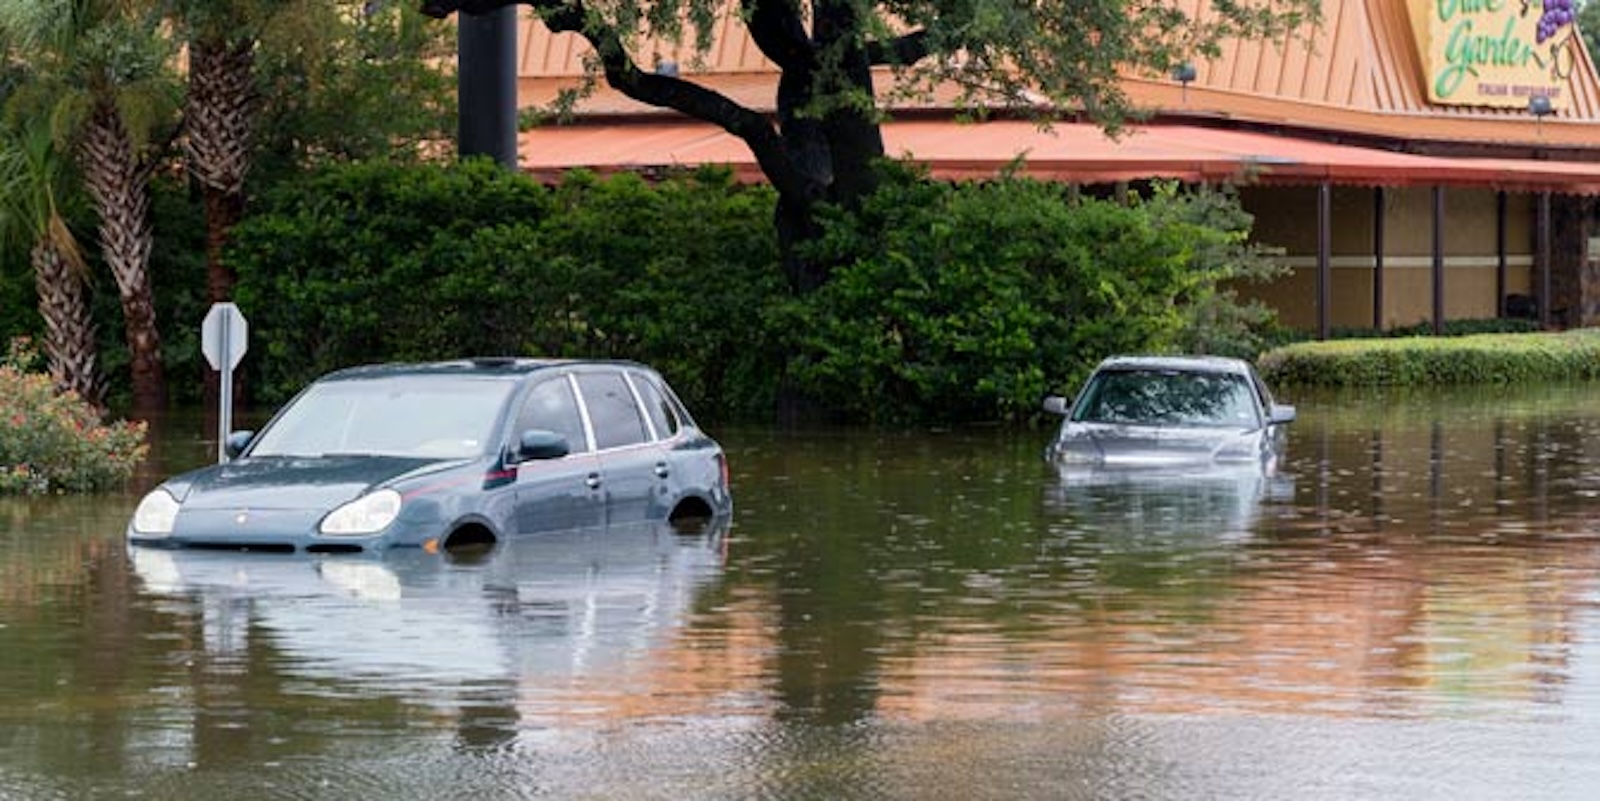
1466	52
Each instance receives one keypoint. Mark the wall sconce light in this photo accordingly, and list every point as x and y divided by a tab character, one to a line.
1539	106
1184	73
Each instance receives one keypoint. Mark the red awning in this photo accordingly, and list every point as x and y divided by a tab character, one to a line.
1067	152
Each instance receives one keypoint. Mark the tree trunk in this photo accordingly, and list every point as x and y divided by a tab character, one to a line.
218	127
69	342
119	183
218	123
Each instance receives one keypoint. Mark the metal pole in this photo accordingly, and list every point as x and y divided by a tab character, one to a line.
1377	258
1544	260
1324	260
225	410
1500	254
486	85
1438	260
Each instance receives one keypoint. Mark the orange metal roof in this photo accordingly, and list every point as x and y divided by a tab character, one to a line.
1360	72
1069	152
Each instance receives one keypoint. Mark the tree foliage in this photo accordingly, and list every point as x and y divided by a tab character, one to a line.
359	80
101	72
376	262
952	301
973	301
1049	58
1589	26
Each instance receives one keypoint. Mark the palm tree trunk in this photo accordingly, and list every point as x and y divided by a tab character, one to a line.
218	128
119	182
69	341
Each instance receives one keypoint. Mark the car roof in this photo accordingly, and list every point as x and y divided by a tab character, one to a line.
1211	364
509	367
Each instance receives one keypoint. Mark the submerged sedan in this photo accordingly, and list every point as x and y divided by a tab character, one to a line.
447	455
1171	413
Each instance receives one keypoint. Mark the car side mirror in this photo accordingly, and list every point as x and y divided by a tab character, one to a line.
1281	414
1055	404
237	442
537	443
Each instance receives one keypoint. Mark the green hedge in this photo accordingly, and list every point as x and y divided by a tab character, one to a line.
1434	361
973	301
948	302
396	263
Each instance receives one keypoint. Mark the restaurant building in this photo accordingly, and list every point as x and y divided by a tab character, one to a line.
1411	161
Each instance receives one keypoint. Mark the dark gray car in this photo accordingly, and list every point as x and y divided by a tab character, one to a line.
448	454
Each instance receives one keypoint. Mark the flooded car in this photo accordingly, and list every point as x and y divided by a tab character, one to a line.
1173	414
448	455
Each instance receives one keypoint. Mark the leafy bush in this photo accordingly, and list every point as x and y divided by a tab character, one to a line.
388	263
1430	361
54	442
972	301
949	302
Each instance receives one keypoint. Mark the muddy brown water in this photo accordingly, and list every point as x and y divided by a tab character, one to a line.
1408	611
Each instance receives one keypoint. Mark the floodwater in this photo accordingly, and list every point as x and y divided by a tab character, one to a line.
1411	610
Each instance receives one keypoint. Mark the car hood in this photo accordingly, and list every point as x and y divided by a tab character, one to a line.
285	482
1158	446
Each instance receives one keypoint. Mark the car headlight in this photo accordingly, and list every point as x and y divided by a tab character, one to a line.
368	514
1246	448
1075	452
156	514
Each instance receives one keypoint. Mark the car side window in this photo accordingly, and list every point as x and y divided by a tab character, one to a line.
612	410
656	406
551	406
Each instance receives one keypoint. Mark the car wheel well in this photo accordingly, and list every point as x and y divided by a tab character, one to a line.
469	537
691	515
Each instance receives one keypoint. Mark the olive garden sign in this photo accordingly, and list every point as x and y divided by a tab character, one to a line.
1496	52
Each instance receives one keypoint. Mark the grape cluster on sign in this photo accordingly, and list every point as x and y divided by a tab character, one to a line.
1557	14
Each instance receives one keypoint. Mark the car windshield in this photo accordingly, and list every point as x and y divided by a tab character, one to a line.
1168	398
425	416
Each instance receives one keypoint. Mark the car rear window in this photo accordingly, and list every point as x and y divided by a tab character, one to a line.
612	410
656	406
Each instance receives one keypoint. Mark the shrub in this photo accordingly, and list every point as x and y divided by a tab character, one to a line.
54	442
1432	361
972	301
385	263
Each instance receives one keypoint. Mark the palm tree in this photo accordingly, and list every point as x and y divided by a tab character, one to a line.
34	177
99	70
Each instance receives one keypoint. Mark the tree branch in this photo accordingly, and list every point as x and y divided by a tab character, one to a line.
570	16
905	50
778	29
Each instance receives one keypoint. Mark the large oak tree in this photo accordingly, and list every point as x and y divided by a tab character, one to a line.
1048	57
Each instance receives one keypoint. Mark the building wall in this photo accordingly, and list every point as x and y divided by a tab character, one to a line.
1286	218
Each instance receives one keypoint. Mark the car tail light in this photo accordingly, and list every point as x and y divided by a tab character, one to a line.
722	465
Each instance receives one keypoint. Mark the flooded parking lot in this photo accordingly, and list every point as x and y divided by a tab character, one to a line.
1408	611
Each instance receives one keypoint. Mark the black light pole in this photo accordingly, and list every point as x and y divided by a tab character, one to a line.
486	85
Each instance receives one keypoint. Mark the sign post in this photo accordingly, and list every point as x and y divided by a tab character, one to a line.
224	336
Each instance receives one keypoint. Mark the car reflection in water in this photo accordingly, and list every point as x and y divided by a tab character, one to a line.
557	605
1161	508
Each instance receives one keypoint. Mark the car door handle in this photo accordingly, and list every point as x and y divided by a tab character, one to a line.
662	470
593	480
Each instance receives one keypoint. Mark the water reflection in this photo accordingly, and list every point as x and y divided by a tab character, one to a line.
1407	610
1223	502
542	627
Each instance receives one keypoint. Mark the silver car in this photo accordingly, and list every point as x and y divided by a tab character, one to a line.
1171	413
